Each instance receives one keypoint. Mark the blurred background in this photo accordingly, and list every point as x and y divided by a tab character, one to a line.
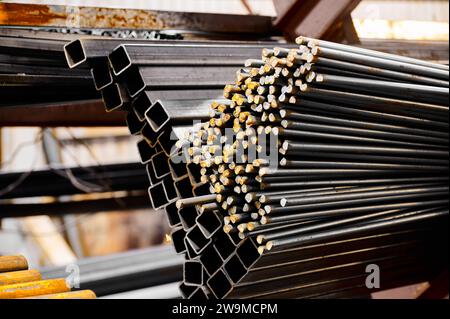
99	223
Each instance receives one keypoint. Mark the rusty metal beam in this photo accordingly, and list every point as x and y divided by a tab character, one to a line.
313	18
344	31
73	113
349	30
91	17
282	6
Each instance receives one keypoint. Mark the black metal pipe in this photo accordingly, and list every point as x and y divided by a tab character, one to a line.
197	240
351	210
362	149
209	223
163	114
278	196
135	127
308	173
172	215
359	165
178	235
134	200
348	257
137	79
377	72
158	195
414	122
169	189
193	273
271	235
101	74
319	210
414	92
145	99
114	97
146	152
307	155
270	182
180	54
160	165
421	135
184	187
378	226
359	50
224	245
188	216
375	103
380	63
296	201
211	260
355	134
321	275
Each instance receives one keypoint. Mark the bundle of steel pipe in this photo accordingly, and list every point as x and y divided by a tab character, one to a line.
336	151
318	161
17	281
163	85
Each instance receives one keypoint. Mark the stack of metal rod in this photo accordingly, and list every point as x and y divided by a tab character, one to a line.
339	160
17	281
320	160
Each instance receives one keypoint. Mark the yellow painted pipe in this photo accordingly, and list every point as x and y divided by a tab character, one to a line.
82	294
35	288
13	263
21	276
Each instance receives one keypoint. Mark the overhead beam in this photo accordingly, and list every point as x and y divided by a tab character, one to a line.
282	6
343	31
14	14
313	18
